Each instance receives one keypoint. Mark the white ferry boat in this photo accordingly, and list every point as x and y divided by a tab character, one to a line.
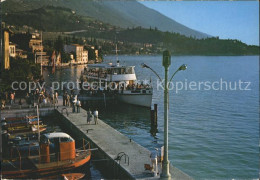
121	80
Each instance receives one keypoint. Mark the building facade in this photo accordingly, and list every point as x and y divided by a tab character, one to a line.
35	43
79	52
85	57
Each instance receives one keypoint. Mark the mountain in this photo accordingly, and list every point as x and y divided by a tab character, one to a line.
124	14
53	19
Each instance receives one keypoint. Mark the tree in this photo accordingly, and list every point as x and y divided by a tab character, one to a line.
59	44
91	54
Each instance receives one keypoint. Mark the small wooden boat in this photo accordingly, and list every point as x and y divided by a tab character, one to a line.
19	123
27	132
18	118
58	154
25	129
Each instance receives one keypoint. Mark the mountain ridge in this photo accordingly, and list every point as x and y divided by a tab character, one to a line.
119	13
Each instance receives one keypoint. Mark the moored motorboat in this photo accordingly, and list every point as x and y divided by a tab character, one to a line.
58	154
18	118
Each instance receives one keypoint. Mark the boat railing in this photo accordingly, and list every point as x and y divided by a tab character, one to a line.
85	144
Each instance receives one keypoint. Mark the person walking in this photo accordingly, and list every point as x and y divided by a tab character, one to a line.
73	106
68	100
44	100
71	99
12	98
64	97
56	98
96	116
20	103
78	106
89	115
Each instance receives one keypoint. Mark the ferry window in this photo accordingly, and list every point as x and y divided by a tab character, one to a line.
122	71
64	139
117	71
52	140
130	70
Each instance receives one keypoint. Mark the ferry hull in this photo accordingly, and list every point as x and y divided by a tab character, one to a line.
136	99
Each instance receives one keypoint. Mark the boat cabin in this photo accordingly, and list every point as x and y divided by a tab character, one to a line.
57	147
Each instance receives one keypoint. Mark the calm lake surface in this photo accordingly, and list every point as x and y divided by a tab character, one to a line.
213	134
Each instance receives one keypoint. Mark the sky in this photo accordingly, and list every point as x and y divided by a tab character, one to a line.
226	19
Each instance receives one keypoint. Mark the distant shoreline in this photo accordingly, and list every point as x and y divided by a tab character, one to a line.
178	55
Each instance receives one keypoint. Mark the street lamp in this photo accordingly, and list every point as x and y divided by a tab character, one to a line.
146	66
166	63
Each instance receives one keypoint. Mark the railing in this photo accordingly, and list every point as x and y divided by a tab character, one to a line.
120	155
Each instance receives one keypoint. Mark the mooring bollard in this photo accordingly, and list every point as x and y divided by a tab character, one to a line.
152	117
155	115
154	129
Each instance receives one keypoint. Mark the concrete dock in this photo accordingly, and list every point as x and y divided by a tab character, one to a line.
111	143
122	157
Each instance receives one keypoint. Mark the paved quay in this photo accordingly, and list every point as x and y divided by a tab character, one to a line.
112	142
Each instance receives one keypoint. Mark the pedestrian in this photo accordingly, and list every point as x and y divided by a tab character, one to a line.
44	101
68	100
96	116
56	97
78	106
30	100
89	115
71	99
27	99
64	97
6	96
20	103
153	157
12	98
2	104
73	106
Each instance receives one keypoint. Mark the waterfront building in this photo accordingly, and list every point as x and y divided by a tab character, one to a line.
96	53
35	42
78	50
85	56
41	57
20	53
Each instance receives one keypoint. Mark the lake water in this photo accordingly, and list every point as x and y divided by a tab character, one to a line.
213	133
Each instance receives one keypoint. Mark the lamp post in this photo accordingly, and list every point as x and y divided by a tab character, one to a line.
166	63
165	166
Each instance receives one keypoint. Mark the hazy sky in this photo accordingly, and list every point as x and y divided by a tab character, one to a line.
226	19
